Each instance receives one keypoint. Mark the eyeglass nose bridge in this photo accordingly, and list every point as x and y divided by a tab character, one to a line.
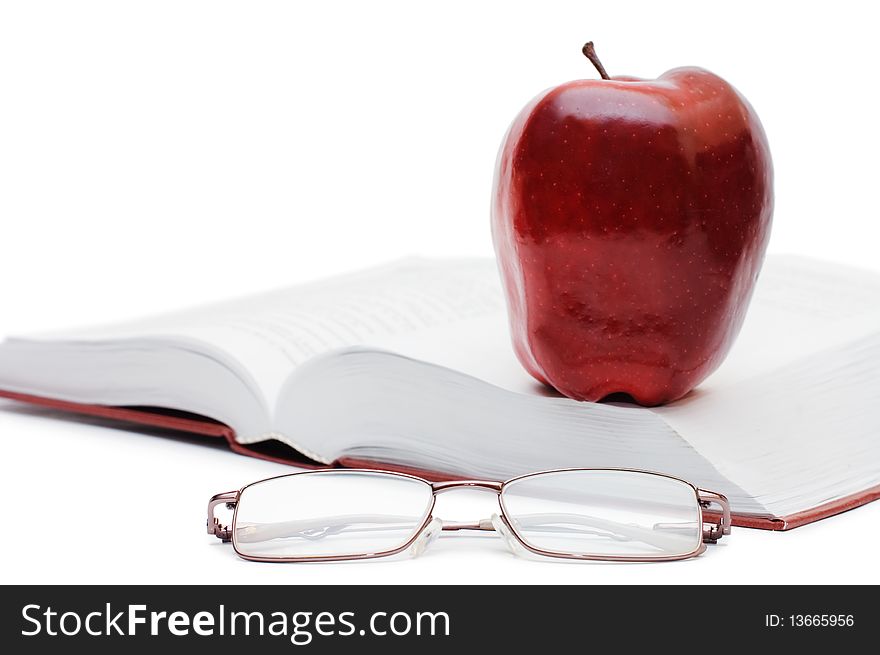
478	485
495	523
434	526
481	485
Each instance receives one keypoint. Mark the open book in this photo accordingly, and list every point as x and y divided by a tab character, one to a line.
409	367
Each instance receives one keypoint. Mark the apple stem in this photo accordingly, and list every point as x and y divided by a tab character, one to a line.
590	53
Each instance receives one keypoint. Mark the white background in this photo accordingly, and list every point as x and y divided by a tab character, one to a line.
154	155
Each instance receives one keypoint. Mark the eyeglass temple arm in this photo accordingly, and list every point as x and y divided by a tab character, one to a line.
228	498
721	518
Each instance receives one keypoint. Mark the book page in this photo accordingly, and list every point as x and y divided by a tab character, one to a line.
797	437
387	408
272	333
791	415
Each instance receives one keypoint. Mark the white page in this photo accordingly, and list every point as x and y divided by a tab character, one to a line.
787	409
479	347
799	436
389	408
272	333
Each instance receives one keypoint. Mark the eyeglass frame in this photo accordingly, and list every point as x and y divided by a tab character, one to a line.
715	523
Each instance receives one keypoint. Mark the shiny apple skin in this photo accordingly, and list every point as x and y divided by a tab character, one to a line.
630	219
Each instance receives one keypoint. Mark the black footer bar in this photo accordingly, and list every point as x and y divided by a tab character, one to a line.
431	618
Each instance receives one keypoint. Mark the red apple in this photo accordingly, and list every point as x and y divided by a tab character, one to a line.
630	219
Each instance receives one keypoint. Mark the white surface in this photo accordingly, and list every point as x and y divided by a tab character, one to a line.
156	155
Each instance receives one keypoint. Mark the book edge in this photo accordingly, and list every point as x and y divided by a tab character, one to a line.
831	508
202	426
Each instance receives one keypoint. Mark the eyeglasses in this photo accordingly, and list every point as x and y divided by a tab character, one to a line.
590	514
